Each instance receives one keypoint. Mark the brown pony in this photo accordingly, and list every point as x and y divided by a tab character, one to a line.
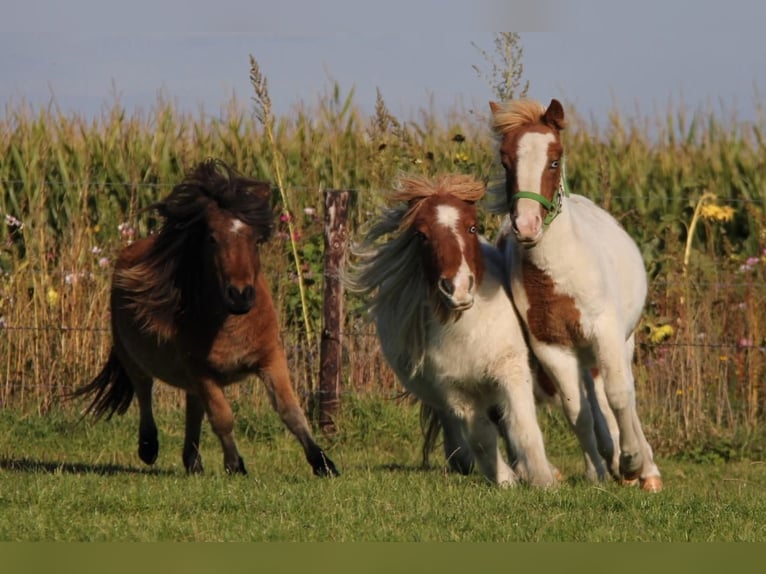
191	307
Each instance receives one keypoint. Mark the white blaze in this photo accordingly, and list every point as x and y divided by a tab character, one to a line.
533	161
449	217
236	225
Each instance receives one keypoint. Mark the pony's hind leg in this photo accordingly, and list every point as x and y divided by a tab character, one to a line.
195	412
143	384
221	419
276	379
482	436
604	423
457	453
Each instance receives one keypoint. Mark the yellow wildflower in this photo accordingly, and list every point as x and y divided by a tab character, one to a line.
53	297
659	334
715	212
460	157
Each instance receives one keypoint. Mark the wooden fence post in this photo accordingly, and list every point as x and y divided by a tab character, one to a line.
330	352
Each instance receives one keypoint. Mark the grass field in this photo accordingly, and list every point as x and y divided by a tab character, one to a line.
61	480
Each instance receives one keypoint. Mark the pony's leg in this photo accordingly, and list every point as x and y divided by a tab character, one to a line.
276	378
482	436
563	368
221	419
143	384
650	478
195	412
148	445
604	423
520	428
457	452
614	362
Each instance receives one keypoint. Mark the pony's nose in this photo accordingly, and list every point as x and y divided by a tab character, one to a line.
458	292
240	300
527	226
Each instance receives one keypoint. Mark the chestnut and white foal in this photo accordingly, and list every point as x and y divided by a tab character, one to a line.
448	328
579	284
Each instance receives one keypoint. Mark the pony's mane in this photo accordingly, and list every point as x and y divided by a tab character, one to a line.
165	280
387	267
516	113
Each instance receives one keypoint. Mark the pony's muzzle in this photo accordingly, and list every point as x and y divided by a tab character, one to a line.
457	295
527	221
240	300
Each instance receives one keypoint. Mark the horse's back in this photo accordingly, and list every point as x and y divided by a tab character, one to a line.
615	253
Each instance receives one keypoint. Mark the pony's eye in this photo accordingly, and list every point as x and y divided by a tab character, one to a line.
554	164
420	235
472	229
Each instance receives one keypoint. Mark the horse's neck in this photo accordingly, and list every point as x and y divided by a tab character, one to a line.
556	244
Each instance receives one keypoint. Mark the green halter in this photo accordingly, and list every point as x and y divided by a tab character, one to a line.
552	207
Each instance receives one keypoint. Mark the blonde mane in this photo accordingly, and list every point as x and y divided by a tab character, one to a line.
386	266
512	114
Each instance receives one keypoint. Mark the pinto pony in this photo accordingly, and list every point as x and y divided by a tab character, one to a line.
448	329
191	307
579	284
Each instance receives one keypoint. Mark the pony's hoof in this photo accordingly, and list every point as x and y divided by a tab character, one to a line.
194	466
460	464
630	466
238	468
323	466
651	484
148	451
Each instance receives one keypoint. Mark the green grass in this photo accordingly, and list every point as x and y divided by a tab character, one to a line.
63	481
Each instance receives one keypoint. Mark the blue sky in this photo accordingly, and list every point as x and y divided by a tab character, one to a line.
595	54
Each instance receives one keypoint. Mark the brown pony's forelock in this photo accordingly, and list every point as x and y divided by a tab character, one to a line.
155	283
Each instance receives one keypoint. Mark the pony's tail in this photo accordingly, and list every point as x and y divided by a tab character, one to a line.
430	425
112	390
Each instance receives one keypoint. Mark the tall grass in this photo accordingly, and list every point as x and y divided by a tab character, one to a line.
71	188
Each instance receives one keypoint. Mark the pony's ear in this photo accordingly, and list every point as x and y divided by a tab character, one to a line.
554	115
494	107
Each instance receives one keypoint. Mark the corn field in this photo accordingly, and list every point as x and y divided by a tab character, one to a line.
689	187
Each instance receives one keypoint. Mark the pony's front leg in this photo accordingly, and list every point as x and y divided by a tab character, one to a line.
563	368
518	421
221	419
195	412
276	379
614	365
482	436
